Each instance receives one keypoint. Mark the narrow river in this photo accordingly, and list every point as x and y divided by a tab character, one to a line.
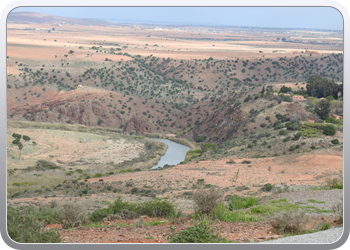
175	154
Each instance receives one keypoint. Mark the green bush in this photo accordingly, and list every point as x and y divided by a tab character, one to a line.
152	208
283	132
156	208
97	175
297	136
286	139
293	125
325	226
267	187
201	138
238	202
330	120
42	165
224	214
329	130
279	126
23	227
201	232
116	207
335	141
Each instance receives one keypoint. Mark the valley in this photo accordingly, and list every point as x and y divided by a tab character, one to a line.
91	96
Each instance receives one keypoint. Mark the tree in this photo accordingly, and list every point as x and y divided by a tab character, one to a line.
71	52
262	91
318	86
269	91
323	109
15	135
285	89
17	142
26	138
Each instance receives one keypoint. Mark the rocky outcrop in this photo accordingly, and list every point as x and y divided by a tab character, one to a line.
139	125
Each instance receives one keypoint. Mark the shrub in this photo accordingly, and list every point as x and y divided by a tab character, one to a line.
329	130
293	125
201	232
297	136
97	175
205	200
42	165
291	148
73	215
237	202
23	227
286	139
338	210
289	222
201	138
325	226
335	141
283	132
279	126
156	208
267	187
335	183
223	214
116	207
330	120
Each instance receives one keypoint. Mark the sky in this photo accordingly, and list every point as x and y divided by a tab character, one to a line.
276	17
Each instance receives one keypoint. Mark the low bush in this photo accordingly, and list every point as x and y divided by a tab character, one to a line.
329	130
335	183
156	208
73	215
224	214
286	139
152	208
24	227
335	141
238	202
246	162
293	125
338	210
205	200
297	136
267	187
201	232
283	132
279	126
289	222
42	165
330	120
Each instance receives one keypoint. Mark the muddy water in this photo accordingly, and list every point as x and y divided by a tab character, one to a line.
174	155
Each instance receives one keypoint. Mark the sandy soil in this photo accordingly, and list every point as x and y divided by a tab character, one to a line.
289	170
39	45
67	146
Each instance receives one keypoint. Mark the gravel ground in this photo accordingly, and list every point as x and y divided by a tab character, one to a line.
329	198
328	236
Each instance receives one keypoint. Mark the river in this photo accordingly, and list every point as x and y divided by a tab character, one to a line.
175	154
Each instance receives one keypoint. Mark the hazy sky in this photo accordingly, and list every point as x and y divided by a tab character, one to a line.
278	17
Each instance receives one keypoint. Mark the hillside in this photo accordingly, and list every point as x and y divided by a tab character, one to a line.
167	94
